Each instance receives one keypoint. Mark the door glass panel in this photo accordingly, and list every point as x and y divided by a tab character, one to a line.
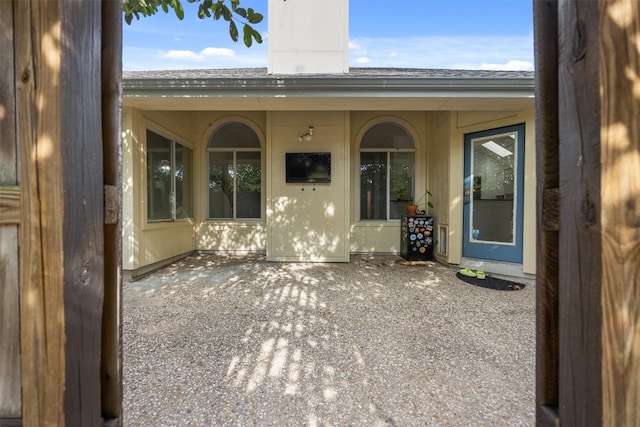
492	206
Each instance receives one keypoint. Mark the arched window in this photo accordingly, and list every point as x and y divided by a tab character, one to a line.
387	172
235	173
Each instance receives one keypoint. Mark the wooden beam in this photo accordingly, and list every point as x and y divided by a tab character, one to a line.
83	220
547	215
580	242
620	201
9	205
38	56
111	360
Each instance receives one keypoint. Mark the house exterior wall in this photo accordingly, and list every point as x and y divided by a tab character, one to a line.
147	243
302	221
308	222
439	154
383	236
232	236
468	122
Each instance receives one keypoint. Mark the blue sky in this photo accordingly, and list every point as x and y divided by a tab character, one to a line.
467	34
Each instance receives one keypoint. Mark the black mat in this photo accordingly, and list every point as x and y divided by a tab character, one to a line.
491	283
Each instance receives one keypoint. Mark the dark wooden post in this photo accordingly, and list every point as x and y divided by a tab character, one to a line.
111	371
588	370
548	210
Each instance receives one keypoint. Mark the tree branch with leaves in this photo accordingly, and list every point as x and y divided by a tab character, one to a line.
215	9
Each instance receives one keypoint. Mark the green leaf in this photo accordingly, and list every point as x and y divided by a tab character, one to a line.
226	13
241	11
250	34
177	7
233	31
165	8
246	30
253	17
257	36
217	11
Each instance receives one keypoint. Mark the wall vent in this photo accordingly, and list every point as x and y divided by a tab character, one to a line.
443	239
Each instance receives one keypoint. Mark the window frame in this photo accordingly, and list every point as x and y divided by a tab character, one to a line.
172	174
234	151
388	151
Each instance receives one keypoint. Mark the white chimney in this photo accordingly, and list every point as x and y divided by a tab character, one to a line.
308	36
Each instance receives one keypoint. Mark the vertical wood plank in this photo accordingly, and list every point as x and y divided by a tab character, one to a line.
8	150
10	403
38	57
580	246
545	14
10	384
111	366
83	222
620	158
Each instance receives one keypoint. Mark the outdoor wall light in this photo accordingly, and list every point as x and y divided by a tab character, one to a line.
306	136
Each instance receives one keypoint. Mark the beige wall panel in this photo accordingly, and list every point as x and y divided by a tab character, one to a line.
438	161
470	118
166	240
143	243
369	238
308	222
529	260
130	193
179	123
231	236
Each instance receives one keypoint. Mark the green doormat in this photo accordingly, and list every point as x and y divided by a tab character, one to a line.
492	283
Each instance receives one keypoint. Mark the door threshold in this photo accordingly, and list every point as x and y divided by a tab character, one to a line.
499	269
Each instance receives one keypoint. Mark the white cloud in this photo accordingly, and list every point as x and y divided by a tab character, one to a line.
463	52
510	66
188	55
362	60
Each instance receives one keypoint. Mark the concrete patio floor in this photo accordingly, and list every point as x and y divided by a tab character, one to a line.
215	340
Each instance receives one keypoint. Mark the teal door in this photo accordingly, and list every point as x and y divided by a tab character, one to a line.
494	194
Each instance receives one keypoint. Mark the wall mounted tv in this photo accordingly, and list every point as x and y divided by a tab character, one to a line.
308	167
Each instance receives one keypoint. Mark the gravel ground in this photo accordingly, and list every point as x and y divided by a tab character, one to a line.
237	341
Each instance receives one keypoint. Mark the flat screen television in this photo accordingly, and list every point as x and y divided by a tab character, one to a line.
308	167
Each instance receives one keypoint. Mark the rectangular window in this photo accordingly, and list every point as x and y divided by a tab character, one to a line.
248	184
386	184
169	179
373	185
235	184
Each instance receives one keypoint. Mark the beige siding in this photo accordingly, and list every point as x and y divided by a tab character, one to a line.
438	161
149	243
383	236
239	236
305	221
